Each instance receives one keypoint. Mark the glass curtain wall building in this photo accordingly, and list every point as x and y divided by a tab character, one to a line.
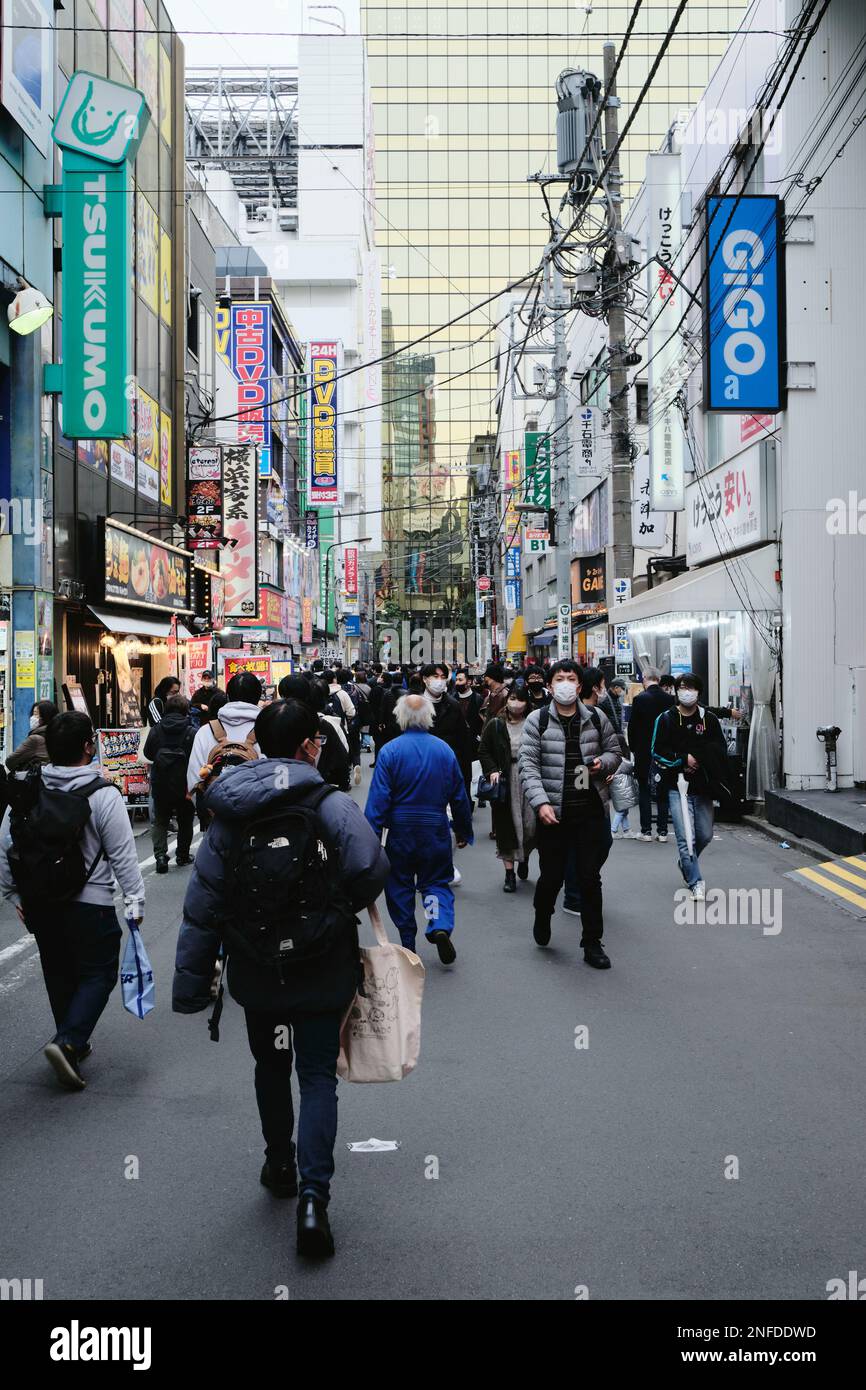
464	110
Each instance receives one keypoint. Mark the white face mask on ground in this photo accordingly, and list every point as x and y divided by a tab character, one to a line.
435	685
564	692
687	697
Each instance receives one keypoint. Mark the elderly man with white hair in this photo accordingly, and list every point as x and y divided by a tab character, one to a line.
416	779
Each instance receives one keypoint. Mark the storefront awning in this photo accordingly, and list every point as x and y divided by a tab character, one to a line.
517	636
544	639
744	581
124	622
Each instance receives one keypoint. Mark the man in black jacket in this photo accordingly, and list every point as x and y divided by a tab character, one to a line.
645	710
470	703
335	764
296	1010
448	721
688	742
167	748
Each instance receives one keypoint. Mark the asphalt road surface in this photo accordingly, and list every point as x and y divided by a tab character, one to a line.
702	1139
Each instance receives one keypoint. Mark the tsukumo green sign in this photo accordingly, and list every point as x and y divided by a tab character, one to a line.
99	128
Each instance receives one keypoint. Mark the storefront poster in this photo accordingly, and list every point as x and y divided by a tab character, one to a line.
123	32
165	96
122	464
198	659
217	602
93	453
240	560
306	620
44	646
26	74
129	715
259	665
25	660
147	253
204	513
165	458
147	73
165	277
142	571
681	655
119	762
591	583
147	432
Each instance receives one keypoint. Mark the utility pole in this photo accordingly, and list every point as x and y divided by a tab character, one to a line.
557	303
621	463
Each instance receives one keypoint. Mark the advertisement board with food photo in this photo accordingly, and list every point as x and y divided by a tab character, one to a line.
140	570
120	763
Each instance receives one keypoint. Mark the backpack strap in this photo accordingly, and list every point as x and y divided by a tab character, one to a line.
217	730
250	739
596	720
543	721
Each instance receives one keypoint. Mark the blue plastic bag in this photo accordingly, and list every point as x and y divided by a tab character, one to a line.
136	975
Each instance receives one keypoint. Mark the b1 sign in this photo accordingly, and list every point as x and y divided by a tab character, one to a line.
743	313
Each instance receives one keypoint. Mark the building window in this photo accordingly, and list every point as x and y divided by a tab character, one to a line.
192	342
641	400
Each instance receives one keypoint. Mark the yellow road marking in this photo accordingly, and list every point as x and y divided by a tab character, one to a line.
856	898
859	880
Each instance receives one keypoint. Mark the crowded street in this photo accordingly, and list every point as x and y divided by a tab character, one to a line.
527	1166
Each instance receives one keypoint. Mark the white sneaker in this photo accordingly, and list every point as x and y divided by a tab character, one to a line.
458	878
699	892
647	839
662	839
357	776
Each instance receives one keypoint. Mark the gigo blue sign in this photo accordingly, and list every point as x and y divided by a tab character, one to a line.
744	306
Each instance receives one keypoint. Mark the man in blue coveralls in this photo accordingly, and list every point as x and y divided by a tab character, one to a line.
415	780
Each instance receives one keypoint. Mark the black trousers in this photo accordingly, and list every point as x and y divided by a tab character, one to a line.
582	846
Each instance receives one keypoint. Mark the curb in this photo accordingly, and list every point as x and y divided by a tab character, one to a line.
775	832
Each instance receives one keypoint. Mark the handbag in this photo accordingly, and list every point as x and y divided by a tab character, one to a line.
380	1037
624	791
136	975
491	791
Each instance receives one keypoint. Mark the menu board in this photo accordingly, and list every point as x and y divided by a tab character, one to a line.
142	571
120	762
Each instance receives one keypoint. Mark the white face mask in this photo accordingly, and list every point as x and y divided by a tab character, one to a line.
687	698
34	721
515	707
564	692
435	685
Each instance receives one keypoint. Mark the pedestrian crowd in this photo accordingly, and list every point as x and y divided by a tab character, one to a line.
288	859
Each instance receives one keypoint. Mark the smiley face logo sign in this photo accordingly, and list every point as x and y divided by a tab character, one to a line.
100	118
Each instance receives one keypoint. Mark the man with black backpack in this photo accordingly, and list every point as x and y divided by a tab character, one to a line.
167	748
65	838
286	864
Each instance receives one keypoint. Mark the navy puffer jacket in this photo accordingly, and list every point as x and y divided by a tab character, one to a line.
325	984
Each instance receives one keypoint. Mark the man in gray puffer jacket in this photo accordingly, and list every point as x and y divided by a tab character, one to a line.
567	753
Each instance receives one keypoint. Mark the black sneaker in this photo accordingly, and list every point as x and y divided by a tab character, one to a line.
510	884
183	859
162	865
541	930
314	1229
63	1058
280	1177
595	956
84	1052
523	869
442	941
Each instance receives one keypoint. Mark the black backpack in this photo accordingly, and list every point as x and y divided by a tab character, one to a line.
168	776
361	703
46	826
282	887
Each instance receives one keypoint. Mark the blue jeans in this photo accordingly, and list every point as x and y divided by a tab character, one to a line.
316	1040
645	802
620	821
701	815
79	948
572	898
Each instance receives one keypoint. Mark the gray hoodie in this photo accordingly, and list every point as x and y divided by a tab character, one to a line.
237	718
108	828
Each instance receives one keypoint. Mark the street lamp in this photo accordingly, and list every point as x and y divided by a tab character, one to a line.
28	310
360	540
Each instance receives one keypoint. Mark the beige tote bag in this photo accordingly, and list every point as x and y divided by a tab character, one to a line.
381	1034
